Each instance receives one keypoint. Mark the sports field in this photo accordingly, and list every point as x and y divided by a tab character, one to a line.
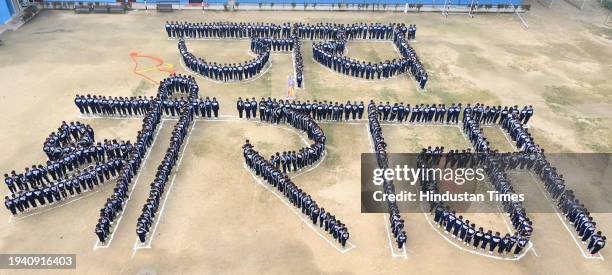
219	218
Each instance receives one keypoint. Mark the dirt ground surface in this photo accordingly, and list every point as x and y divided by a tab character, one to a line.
219	219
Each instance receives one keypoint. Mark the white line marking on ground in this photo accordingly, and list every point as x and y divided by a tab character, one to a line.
98	245
48	208
166	117
536	182
87	116
416	83
599	256
366	40
402	253
387	226
470	250
149	242
257	76
295	73
531	245
300	216
360	79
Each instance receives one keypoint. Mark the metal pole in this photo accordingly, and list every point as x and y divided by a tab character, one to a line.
519	15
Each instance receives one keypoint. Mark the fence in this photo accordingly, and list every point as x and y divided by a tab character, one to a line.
364	5
381	2
318	2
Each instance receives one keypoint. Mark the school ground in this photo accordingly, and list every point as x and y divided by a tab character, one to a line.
218	218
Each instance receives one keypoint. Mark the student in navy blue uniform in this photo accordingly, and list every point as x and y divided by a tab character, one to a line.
240	107
478	237
598	245
439	213
463	230
10	183
247	108
528	114
450	222
520	244
215	107
253	107
401	240
495	242
10	204
504	244
457	226
469	235
486	240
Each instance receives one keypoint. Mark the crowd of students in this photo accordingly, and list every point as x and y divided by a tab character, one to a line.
441	113
116	202
226	30
318	31
380	147
460	228
331	55
226	72
158	186
330	31
270	171
286	36
298	61
414	65
274	44
318	110
68	150
137	106
574	210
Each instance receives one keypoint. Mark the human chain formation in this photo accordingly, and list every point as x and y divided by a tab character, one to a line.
76	164
137	106
460	228
441	113
577	214
266	38
331	55
319	31
73	146
380	148
298	61
116	202
272	111
162	103
158	186
227	72
443	215
270	171
318	110
574	210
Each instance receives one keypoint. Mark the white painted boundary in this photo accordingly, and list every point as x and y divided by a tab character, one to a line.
257	76
584	254
48	207
333	243
390	245
473	251
402	252
98	244
137	246
537	181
